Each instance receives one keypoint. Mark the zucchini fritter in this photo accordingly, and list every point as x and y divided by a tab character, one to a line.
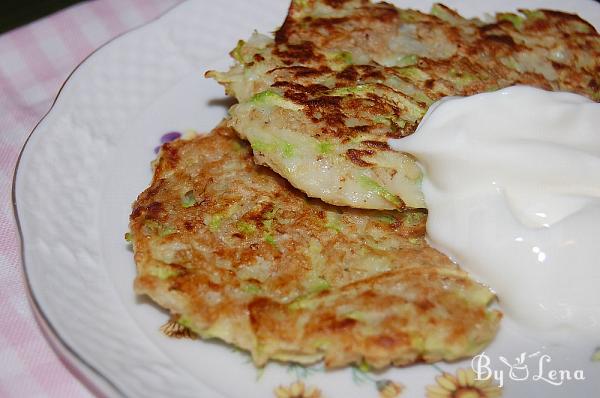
240	255
319	101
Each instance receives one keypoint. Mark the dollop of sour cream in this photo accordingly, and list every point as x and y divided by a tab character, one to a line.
512	184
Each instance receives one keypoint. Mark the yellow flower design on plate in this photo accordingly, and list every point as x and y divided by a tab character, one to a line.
297	390
389	389
463	385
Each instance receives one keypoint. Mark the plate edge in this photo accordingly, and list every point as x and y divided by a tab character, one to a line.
94	380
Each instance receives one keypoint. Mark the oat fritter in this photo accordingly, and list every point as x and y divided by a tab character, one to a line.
240	255
319	101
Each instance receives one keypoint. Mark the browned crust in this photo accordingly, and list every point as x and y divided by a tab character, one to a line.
356	156
202	279
303	40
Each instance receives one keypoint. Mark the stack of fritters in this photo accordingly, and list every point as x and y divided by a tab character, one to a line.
242	256
237	253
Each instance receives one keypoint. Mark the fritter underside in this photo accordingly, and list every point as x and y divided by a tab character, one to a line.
236	253
319	101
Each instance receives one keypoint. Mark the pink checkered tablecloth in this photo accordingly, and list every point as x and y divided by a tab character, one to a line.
34	62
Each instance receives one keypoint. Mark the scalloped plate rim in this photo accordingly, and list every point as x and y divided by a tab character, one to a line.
93	378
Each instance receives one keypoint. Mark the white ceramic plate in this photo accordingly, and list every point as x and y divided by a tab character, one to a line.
89	158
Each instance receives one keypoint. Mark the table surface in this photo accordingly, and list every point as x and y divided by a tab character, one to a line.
34	62
14	13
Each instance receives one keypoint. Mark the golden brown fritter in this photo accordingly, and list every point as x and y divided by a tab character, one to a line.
240	255
320	99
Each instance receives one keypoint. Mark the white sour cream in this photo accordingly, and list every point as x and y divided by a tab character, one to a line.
512	183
